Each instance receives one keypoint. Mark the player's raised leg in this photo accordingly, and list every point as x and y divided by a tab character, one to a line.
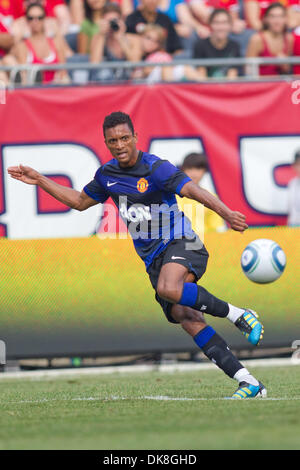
217	350
172	287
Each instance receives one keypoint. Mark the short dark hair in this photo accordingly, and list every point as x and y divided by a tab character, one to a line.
195	160
217	12
114	119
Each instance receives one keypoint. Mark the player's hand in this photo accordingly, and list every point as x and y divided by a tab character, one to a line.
237	221
24	173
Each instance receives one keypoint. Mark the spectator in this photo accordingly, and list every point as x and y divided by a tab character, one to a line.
255	11
76	8
203	10
6	40
90	24
148	13
218	46
153	42
195	165
54	9
294	194
113	43
273	41
294	14
127	6
20	28
8	61
78	14
184	21
171	8
9	10
40	49
3	75
6	16
239	31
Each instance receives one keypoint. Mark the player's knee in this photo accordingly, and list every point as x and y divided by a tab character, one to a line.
169	291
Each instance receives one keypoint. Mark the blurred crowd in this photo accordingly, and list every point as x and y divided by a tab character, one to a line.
160	31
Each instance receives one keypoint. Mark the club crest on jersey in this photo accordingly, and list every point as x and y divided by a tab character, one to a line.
142	185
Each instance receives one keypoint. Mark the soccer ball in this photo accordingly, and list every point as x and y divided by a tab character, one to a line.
263	261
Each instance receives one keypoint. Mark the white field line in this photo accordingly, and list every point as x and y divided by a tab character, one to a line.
178	367
119	398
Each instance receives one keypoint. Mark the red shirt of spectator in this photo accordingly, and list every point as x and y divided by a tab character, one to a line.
48	75
271	69
264	4
296	50
49	7
230	5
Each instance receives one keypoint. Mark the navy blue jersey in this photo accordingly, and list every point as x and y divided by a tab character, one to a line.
145	197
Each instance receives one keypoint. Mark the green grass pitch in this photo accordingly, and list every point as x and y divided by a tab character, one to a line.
112	412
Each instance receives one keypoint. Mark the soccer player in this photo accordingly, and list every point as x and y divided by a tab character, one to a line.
143	186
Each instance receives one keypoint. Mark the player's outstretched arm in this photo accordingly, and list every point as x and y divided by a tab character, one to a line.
236	220
72	198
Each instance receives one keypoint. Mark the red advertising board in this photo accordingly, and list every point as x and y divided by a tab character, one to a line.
249	131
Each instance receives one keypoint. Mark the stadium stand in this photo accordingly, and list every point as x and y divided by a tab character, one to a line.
85	34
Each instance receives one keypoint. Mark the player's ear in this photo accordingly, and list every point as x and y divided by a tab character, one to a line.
135	136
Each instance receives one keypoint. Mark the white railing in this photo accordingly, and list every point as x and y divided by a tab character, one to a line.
249	66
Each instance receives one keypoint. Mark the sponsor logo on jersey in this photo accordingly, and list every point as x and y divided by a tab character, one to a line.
135	213
142	185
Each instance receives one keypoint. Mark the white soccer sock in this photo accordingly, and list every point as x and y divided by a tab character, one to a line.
243	375
234	313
